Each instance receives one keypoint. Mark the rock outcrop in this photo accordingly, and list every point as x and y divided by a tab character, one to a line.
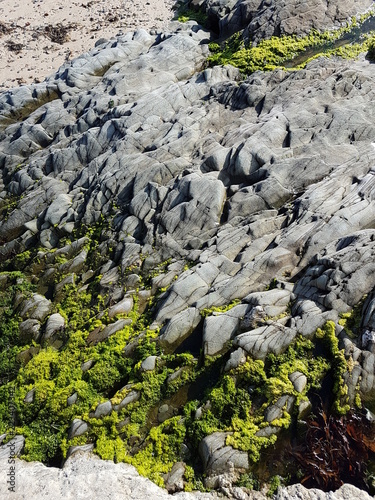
187	257
85	476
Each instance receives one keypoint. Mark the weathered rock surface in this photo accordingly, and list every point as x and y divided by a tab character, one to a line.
161	187
219	458
85	476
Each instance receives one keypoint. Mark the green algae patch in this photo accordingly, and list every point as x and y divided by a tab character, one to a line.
219	309
288	52
200	398
339	367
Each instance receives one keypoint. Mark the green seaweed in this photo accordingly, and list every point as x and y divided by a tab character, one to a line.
272	53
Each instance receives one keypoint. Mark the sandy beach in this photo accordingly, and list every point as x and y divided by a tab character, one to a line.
37	36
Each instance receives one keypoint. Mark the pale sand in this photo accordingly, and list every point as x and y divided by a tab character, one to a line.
88	20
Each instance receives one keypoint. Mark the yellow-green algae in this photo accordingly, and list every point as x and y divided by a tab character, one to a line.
234	402
272	53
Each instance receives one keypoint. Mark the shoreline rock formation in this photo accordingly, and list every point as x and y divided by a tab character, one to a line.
86	476
187	262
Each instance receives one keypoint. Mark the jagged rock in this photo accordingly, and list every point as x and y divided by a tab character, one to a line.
299	381
103	479
304	409
12	448
87	365
54	326
102	410
75	265
122	307
179	328
175	479
165	411
30	330
28	354
196	201
29	398
100	335
237	358
84	448
268	431
72	399
90	477
218	331
37	307
265	339
297	491
253	182
149	364
273	302
58	209
131	397
286	18
77	428
219	458
275	411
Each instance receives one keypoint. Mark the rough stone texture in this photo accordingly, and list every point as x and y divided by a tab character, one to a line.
149	363
13	448
55	325
101	334
131	397
30	330
258	189
217	457
85	476
179	327
299	381
103	409
77	428
217	331
275	411
37	307
266	18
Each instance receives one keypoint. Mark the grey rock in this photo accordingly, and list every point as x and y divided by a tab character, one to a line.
237	358
30	330
37	307
297	491
179	328
72	399
29	398
122	307
58	209
265	339
131	397
268	431
217	331
100	335
13	448
299	381
84	448
54	326
219	458
87	365
85	473
103	409
275	411
174	481
304	410
292	17
149	364
77	428
165	411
